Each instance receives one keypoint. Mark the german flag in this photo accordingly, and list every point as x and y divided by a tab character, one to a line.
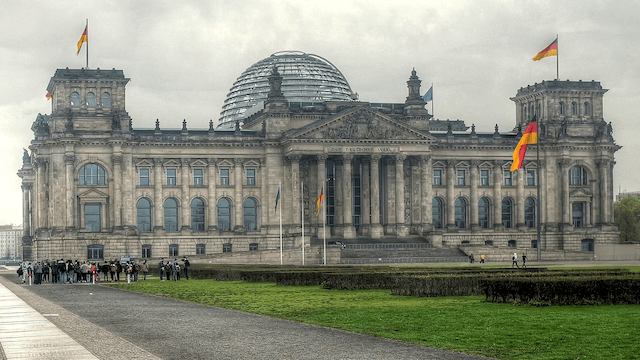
550	50
319	202
83	39
530	136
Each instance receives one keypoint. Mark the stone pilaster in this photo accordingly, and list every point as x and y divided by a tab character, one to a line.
348	230
425	196
116	160
376	228
212	199
186	196
69	161
158	206
238	208
497	194
473	182
402	229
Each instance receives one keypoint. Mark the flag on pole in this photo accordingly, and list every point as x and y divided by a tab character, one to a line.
530	136
319	202
550	50
83	39
277	199
48	96
429	95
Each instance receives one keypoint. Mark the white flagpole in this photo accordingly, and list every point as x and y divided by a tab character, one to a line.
324	227
280	191
302	215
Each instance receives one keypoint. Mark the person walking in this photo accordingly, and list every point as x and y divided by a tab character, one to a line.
186	267
482	259
161	269
524	260
145	269
514	260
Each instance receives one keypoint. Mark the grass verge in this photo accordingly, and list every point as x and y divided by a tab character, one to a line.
466	324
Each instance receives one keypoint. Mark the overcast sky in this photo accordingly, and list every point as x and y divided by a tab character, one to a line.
183	56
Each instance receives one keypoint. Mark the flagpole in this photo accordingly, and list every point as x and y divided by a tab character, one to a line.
557	59
432	114
324	229
302	215
539	202
280	192
87	27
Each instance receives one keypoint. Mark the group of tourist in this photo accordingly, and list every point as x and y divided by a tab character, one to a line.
171	269
69	272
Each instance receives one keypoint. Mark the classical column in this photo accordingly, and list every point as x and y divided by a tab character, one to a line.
238	199
451	208
186	196
416	190
497	194
69	161
116	160
365	195
26	208
603	166
401	227
338	202
295	190
425	196
212	203
376	229
264	195
158	206
564	180
348	230
473	194
41	206
322	183
520	173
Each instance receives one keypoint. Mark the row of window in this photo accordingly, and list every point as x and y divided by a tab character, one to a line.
94	174
91	100
197	221
198	177
528	112
484	212
96	252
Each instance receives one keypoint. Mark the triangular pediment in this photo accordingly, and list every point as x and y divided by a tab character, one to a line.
439	164
462	164
485	164
360	123
580	193
171	163
251	163
93	194
198	163
143	162
225	163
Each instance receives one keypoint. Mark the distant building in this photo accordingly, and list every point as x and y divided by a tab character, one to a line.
635	194
10	242
94	187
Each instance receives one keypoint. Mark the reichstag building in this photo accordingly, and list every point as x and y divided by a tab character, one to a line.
95	187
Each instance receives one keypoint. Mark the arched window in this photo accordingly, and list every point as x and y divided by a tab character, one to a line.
106	99
483	213
197	214
561	108
574	108
224	214
578	176
75	99
171	215
437	209
530	212
587	108
507	212
91	174
524	112
250	215
144	215
461	213
91	99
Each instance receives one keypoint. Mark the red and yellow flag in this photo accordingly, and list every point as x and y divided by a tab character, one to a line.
530	136
319	202
83	39
550	50
48	96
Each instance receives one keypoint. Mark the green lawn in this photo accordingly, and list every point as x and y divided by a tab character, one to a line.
466	324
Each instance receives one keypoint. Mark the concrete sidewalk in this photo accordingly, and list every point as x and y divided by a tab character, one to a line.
26	334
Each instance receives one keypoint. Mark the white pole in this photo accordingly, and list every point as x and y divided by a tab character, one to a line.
280	192
324	229
302	215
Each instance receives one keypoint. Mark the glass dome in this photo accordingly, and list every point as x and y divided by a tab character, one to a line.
305	78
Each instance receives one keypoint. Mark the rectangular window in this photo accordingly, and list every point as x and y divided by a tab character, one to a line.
173	250
144	177
484	177
92	217
577	210
251	176
171	177
146	251
437	177
461	177
531	178
197	177
253	246
508	181
200	249
226	247
224	176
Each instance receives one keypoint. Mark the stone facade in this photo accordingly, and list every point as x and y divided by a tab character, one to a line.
94	187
